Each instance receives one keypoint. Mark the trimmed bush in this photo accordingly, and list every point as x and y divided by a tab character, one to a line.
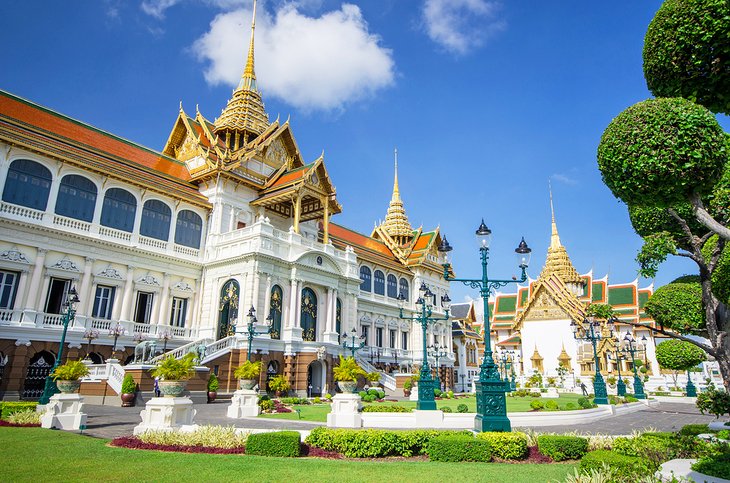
570	406
12	407
295	400
368	398
462	408
386	409
656	448
279	443
437	392
447	409
27	417
537	404
561	448
694	429
202	437
717	466
551	405
506	446
585	403
458	448
630	468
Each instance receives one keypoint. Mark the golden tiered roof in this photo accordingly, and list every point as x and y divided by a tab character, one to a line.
557	261
245	113
396	222
564	358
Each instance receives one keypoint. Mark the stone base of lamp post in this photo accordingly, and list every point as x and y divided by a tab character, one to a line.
638	388
244	404
621	387
491	406
599	390
166	414
426	401
63	411
345	411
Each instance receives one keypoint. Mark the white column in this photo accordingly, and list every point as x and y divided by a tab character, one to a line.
291	319
256	292
53	194
193	304
163	317
22	289
267	297
137	220
334	310
98	207
298	305
127	298
85	287
35	289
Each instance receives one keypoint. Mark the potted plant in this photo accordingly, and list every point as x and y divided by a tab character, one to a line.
373	378
212	388
174	374
248	372
407	387
346	374
129	388
68	375
279	385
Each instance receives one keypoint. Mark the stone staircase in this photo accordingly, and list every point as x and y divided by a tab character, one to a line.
386	380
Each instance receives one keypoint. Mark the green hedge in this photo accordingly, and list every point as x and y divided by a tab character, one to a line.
717	466
561	448
507	446
11	407
386	409
656	448
694	429
459	447
279	443
375	443
629	467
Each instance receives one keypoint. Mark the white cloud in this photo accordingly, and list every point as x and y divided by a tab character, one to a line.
320	63
461	25
156	8
564	178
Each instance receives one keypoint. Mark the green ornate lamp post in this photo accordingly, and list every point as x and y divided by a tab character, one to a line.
491	400
620	385
423	315
251	329
72	297
638	385
356	342
437	353
590	334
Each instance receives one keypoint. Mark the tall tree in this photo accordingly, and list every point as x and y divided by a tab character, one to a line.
668	160
678	355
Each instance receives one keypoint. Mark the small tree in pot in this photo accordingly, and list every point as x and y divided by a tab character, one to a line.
174	374
129	388
68	375
212	387
279	385
248	372
346	374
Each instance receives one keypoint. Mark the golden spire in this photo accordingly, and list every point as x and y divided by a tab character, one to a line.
244	115
558	261
564	358
396	222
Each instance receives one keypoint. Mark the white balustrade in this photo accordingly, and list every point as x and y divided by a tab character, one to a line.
21	211
8	315
193	252
72	223
107	232
152	242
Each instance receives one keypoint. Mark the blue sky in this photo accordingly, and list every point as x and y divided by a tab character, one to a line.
485	101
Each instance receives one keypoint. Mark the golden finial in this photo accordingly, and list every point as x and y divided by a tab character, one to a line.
396	222
248	80
558	261
395	182
181	109
554	237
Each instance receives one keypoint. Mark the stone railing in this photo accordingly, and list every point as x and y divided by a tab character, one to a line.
386	379
180	351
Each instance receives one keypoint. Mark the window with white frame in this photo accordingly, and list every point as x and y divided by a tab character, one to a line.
178	312
103	302
8	288
379	336
143	310
392	338
404	341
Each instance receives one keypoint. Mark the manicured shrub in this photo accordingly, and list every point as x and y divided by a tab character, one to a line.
368	398
462	408
447	409
12	407
458	448
630	399
562	448
694	429
278	443
437	392
570	406
551	405
266	404
717	466
724	434
128	384
295	400
585	403
656	448
506	446
630	468
317	400
204	436
363	394
382	408
537	404
27	417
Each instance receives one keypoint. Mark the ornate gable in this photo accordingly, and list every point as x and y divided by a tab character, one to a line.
550	300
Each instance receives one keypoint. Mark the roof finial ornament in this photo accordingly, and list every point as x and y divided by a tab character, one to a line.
395	183
554	237
248	81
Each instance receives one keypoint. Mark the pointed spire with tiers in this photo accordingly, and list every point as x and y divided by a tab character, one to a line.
396	222
244	117
558	261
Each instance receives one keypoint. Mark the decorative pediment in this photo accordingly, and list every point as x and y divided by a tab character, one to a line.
111	273
148	280
65	264
320	261
182	286
551	299
13	255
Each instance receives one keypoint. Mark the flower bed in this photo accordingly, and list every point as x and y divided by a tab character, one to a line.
132	442
8	424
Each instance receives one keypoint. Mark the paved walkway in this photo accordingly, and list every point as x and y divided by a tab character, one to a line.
111	422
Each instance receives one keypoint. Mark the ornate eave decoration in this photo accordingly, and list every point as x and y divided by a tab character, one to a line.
13	255
182	286
148	280
66	264
111	273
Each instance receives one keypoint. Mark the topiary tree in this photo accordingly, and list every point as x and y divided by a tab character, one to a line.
678	355
687	52
668	160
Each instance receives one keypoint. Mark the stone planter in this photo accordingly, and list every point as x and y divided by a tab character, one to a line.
68	387
172	388
347	387
127	399
247	383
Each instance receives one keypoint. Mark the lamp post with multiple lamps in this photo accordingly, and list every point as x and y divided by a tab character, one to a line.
618	354
580	332
72	298
437	352
251	331
491	389
632	350
356	342
424	315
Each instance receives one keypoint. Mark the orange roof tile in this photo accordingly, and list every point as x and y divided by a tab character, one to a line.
357	240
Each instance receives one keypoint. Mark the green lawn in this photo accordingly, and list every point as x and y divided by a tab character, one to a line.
34	454
318	412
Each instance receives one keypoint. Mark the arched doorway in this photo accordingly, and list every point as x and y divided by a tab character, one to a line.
309	315
35	377
95	357
228	309
315	379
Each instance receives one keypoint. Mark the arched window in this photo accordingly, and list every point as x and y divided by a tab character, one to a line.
228	308
189	228
366	279
275	311
155	220
404	288
392	286
309	315
28	184
338	317
379	282
119	209
76	198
